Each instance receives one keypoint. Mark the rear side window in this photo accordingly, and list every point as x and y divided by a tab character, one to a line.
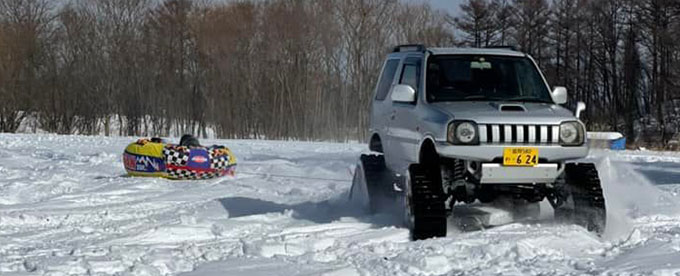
385	81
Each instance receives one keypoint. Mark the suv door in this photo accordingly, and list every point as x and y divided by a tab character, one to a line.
381	107
403	134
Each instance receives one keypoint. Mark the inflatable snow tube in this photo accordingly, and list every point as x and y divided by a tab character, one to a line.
157	159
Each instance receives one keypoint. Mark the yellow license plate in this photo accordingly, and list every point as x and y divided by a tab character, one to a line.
524	157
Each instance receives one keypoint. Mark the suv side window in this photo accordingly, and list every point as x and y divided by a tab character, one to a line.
385	82
410	74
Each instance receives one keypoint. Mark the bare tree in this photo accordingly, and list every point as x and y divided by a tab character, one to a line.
419	23
366	40
24	25
477	22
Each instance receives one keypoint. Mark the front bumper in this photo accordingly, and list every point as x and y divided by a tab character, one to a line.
498	174
491	152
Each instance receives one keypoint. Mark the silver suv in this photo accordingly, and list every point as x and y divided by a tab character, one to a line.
451	125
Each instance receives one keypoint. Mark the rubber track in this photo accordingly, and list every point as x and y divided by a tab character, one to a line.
374	167
374	171
429	207
587	194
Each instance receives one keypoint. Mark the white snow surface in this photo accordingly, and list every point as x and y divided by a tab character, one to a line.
66	208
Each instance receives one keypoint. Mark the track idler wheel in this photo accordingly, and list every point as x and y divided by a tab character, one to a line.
583	201
371	185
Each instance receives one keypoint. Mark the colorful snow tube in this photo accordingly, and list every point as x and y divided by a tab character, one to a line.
157	159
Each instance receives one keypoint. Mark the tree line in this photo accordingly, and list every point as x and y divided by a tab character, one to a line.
305	69
620	57
283	69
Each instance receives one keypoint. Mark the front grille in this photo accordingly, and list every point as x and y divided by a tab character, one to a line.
519	134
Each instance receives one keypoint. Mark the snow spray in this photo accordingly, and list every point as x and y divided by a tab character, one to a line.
628	195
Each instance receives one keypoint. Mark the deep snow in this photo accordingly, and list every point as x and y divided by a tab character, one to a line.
66	208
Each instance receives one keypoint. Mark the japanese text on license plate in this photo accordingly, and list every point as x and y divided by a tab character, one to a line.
527	157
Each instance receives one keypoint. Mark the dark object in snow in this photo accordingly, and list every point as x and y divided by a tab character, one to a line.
189	140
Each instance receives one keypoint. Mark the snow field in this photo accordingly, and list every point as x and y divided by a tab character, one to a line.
67	209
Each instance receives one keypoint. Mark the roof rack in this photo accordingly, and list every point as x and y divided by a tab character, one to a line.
409	48
507	47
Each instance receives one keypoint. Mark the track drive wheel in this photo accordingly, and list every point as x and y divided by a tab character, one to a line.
583	198
370	187
424	203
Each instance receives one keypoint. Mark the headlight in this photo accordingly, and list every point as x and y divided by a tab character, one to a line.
463	133
571	134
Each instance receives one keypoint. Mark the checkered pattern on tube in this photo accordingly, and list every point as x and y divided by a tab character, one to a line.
178	156
218	160
191	174
219	163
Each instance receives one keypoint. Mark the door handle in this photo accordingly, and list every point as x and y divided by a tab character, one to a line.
393	115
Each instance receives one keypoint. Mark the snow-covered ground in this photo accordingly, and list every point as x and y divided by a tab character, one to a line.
67	209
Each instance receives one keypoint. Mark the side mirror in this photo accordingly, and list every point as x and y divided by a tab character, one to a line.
580	107
559	95
402	93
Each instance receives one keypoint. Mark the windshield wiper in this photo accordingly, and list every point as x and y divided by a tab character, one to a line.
527	99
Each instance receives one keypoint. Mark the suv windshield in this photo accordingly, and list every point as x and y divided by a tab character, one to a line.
484	78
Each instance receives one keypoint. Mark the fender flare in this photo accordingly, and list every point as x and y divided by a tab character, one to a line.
426	138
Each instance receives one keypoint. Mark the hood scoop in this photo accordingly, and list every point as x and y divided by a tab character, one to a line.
511	108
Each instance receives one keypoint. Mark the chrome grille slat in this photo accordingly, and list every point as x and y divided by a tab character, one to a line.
555	134
495	133
544	134
518	134
532	134
508	134
482	134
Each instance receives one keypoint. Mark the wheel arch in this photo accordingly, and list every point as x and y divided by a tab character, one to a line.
375	143
427	150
